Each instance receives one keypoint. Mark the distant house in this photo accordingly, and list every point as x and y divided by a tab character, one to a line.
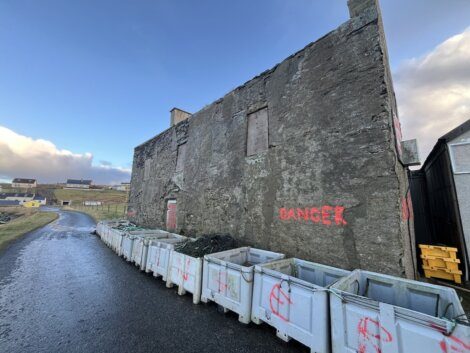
23	183
78	184
8	203
16	196
92	203
122	187
41	199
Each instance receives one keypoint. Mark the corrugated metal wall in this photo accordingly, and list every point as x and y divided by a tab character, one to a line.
423	229
437	216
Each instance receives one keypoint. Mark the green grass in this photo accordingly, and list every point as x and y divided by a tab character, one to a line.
99	213
78	196
24	224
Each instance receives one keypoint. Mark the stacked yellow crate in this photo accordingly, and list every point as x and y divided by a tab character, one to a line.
441	262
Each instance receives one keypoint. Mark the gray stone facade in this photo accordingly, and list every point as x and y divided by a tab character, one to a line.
318	177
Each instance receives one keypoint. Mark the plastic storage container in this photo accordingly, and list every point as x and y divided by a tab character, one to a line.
99	228
127	245
228	278
116	239
141	246
371	312
186	272
292	296
158	256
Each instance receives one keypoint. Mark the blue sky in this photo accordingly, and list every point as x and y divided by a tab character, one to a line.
100	76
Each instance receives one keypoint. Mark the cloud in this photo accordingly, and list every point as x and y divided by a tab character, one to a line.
433	92
22	156
106	163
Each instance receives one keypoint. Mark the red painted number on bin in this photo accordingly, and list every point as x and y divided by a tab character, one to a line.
277	299
371	341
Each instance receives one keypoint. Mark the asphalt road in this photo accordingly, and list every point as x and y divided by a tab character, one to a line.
63	290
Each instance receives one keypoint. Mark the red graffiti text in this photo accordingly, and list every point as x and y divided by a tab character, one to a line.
326	215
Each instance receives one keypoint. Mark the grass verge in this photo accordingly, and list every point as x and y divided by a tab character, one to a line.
24	224
99	213
78	196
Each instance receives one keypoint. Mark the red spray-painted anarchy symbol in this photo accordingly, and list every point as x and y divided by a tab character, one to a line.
280	299
368	339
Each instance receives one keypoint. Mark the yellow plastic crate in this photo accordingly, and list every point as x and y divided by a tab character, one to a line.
438	251
440	262
447	274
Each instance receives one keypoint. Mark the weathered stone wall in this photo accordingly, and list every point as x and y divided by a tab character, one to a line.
329	188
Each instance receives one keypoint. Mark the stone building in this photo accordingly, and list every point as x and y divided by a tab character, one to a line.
305	158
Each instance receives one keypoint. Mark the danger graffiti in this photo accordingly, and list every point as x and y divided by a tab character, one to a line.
326	215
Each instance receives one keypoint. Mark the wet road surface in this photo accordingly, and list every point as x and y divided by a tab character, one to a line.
63	290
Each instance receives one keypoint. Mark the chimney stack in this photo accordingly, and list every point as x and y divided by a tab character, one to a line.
178	115
358	7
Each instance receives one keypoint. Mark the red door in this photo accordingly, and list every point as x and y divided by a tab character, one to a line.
171	215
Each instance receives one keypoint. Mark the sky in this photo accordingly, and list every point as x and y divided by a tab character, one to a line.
84	82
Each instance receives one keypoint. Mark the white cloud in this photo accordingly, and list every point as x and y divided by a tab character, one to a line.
22	156
433	92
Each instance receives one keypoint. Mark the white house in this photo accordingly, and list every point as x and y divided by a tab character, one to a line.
41	199
78	184
23	183
122	187
13	196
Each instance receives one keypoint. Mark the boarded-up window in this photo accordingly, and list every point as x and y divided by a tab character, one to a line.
147	169
257	137
181	157
171	215
460	154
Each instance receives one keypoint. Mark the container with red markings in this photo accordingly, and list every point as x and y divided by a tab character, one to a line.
185	272
159	251
142	254
141	245
228	278
292	296
375	313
